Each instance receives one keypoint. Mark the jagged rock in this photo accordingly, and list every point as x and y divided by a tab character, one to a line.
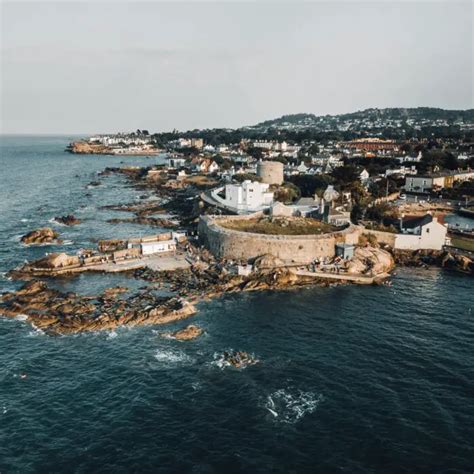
189	332
32	287
151	221
70	219
64	313
239	359
40	236
111	293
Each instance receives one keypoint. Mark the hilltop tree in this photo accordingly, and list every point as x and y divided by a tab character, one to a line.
346	175
309	185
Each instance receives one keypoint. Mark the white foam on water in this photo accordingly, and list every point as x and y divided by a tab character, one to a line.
111	334
169	358
4	409
25	220
221	362
55	222
289	407
36	332
21	317
43	244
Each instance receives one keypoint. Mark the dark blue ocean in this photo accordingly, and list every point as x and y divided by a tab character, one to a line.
352	379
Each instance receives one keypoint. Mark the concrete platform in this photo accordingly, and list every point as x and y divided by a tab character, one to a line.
155	262
359	279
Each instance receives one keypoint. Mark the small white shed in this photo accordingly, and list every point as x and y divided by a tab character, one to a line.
149	248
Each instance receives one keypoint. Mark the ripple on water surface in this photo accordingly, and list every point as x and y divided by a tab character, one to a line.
353	379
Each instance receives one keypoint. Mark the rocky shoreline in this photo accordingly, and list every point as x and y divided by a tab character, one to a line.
86	148
66	313
438	258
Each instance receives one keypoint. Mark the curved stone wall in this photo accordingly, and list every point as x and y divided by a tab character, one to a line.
297	249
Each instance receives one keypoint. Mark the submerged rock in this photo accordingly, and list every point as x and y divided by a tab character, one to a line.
40	236
189	332
70	219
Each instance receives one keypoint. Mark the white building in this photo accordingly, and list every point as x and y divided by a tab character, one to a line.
176	162
149	248
428	182
421	233
401	171
248	196
364	176
213	167
155	245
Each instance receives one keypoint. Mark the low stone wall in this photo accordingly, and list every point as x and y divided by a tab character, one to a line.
387	238
297	249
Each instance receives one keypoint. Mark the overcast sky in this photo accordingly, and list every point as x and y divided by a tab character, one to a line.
99	67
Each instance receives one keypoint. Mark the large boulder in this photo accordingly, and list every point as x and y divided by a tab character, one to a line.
268	261
370	260
44	235
57	260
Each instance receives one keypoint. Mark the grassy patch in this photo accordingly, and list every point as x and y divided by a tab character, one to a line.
463	243
280	226
201	181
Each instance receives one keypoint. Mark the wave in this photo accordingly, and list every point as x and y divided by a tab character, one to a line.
35	332
46	244
170	358
287	407
55	222
21	317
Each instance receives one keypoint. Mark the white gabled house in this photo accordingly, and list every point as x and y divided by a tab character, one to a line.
213	167
421	233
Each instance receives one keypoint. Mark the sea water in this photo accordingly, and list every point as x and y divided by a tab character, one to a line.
350	379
